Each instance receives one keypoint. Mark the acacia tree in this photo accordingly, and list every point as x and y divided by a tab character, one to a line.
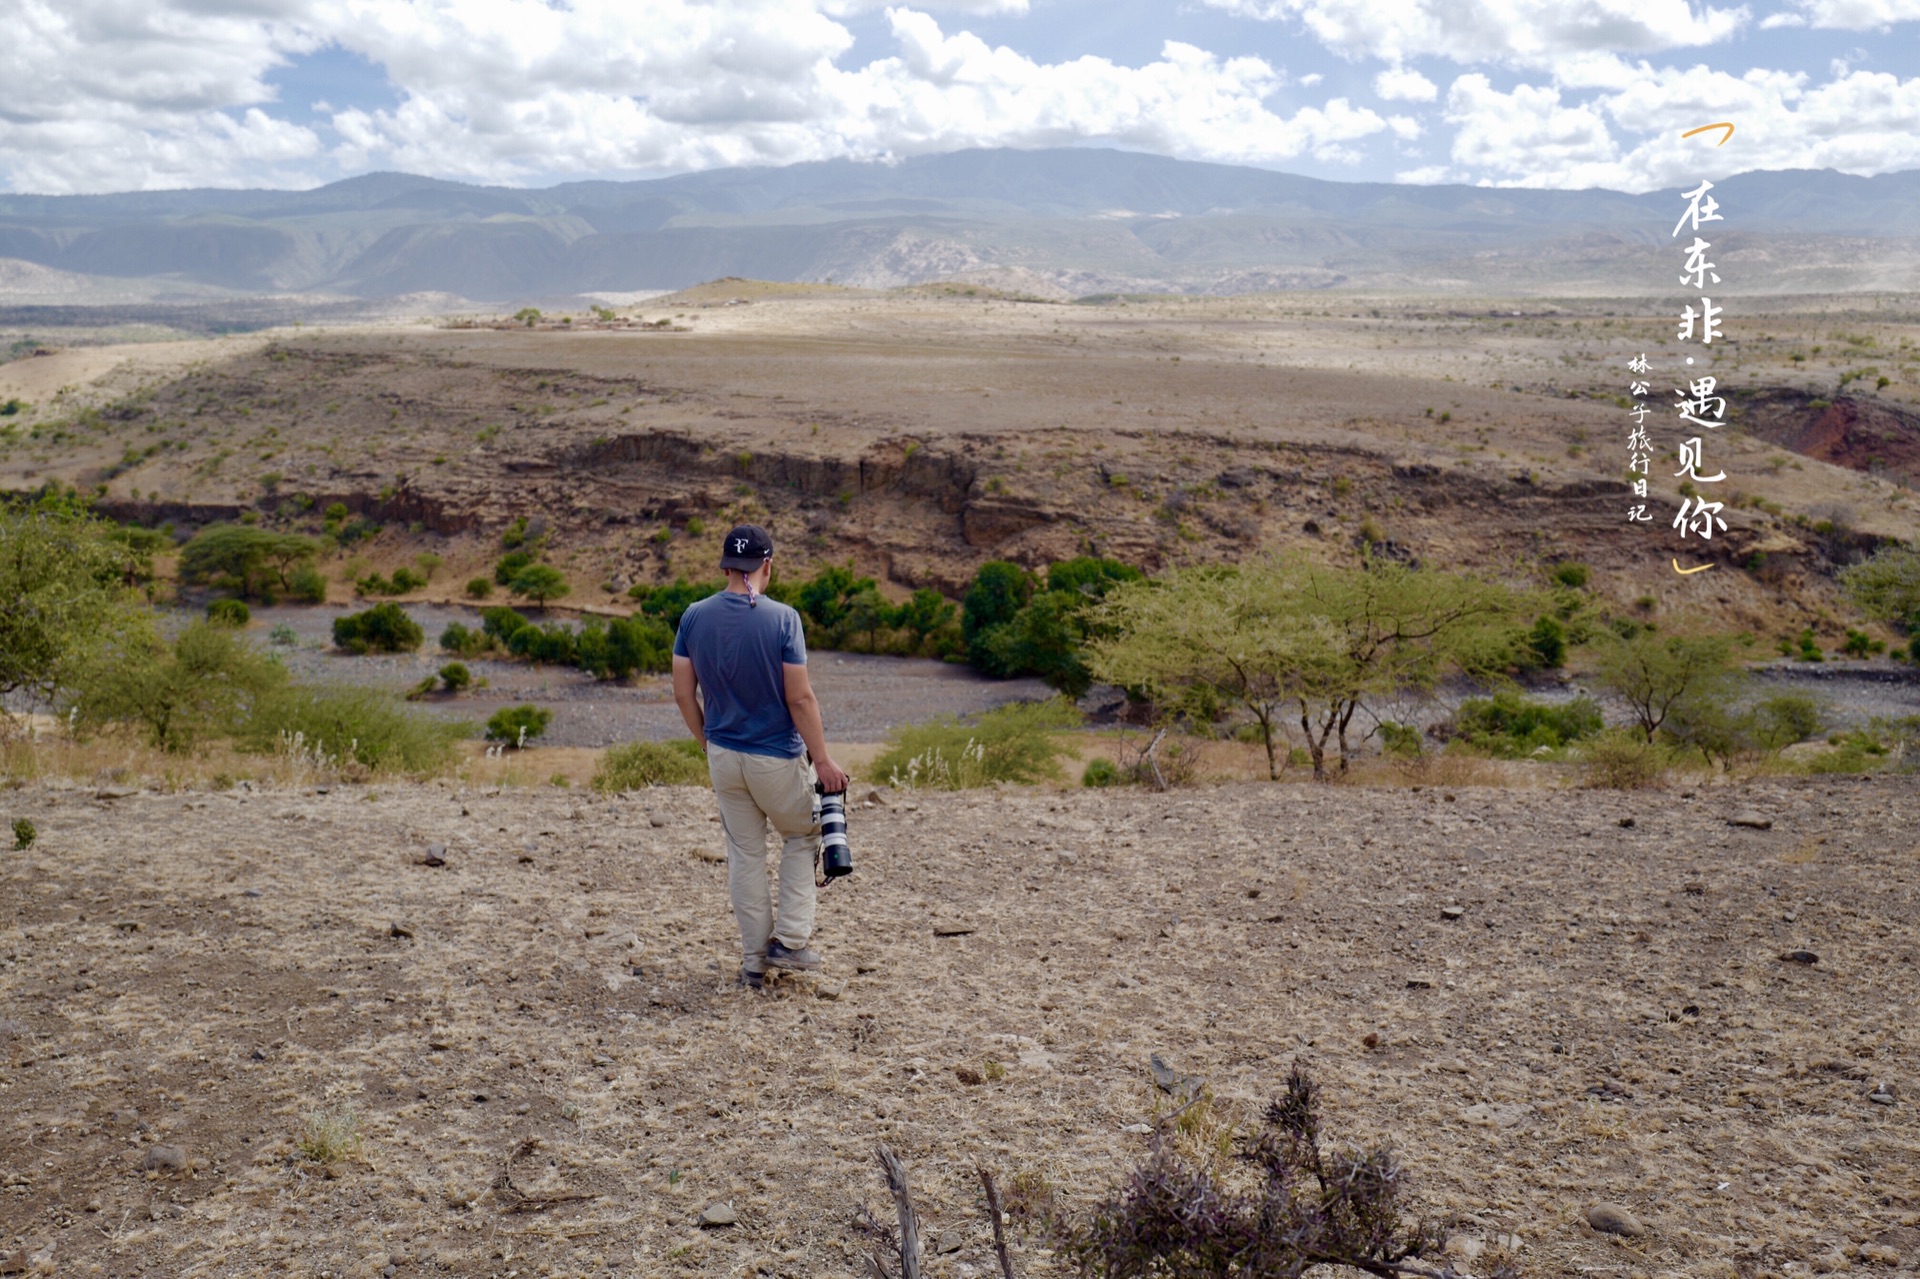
1669	679
61	594
539	583
1290	635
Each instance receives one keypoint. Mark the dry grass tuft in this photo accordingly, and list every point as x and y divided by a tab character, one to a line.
330	1137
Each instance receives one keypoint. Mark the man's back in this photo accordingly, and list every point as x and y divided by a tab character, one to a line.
738	650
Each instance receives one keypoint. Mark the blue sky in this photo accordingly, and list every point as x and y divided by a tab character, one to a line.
107	95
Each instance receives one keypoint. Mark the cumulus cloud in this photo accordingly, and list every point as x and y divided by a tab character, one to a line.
521	90
1403	84
1862	122
1531	33
113	96
1859	15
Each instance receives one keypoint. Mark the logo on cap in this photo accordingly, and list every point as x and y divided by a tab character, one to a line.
739	546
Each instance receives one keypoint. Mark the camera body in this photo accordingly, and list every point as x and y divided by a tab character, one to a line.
836	858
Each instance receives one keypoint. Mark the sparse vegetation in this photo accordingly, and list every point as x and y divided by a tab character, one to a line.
515	726
1014	743
638	765
24	833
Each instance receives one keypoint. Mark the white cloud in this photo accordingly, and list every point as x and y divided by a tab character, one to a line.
1308	81
1774	21
107	95
1862	122
1532	33
1403	84
1859	15
1405	127
117	96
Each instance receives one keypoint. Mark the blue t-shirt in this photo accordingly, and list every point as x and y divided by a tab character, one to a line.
737	652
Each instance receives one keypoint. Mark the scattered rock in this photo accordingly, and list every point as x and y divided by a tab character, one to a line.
164	1159
1419	981
1452	912
399	930
875	797
969	1076
1066	857
719	1215
1800	957
1626	823
951	928
86	983
116	792
1494	1114
1139	1129
656	820
257	1055
832	989
14	1263
1371	1040
436	855
1881	1096
948	1241
1464	1248
1612	1219
1751	820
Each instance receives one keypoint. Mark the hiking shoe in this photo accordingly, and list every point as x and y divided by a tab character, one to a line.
804	960
751	981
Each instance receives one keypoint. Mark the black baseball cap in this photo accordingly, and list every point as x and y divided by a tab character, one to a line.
746	548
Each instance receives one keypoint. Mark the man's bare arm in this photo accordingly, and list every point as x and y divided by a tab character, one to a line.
805	709
686	695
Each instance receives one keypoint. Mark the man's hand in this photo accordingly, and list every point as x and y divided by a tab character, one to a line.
833	779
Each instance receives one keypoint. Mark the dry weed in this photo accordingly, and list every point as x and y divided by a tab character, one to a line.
330	1137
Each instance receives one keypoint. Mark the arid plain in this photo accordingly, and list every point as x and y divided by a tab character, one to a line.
1544	998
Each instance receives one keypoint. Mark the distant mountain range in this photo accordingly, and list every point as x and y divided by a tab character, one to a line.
1060	222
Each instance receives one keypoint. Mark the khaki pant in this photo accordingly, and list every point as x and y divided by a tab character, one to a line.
754	790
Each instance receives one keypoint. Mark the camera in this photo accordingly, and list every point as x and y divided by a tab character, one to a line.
836	859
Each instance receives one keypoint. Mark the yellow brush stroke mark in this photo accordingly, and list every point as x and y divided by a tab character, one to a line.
1724	124
1686	571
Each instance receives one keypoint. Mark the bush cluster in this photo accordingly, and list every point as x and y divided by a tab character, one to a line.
1013	743
638	765
515	726
384	628
1512	726
607	650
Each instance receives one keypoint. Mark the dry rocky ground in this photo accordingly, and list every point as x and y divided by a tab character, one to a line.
1543	998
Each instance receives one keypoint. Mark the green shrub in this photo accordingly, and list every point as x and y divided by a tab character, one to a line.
462	639
1622	759
24	833
638	765
499	623
283	636
1571	574
1809	647
669	603
1100	772
1399	739
228	613
1546	643
478	588
518	725
1012	743
455	677
1861	644
384	628
507	565
1511	725
308	585
362	725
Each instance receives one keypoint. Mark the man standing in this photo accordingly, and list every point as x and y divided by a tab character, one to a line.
740	679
